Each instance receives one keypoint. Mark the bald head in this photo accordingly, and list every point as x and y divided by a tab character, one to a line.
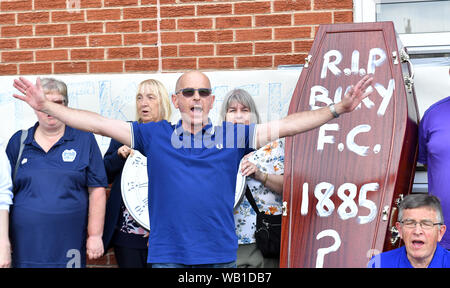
191	77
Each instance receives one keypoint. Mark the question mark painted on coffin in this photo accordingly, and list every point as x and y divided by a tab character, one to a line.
324	251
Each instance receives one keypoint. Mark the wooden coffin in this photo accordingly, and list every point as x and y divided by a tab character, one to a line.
342	180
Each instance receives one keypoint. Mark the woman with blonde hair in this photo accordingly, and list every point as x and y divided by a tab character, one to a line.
122	232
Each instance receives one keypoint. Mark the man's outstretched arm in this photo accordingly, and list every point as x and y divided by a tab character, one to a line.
33	94
306	120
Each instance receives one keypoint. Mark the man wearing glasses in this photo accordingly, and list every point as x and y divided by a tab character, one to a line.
192	165
420	225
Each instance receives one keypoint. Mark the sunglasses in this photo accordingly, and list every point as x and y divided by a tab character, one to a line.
189	92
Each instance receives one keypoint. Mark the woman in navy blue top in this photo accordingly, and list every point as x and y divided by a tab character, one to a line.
121	231
59	192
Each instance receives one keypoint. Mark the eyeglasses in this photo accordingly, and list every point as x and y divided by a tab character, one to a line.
189	92
425	224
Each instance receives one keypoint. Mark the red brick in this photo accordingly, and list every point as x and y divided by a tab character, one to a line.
50	5
179	63
235	49
139	13
303	46
8	19
177	11
35	68
8	69
33	43
256	7
195	23
291	59
91	4
343	16
196	50
51	29
33	17
291	5
292	32
123	53
254	62
103	14
177	37
151	52
17	56
151	25
169	51
105	67
273	20
141	65
82	54
215	36
86	28
70	67
312	18
51	55
140	39
67	16
273	47
124	26
16	31
19	5
105	40
70	41
8	44
217	9
166	24
111	3
216	63
254	34
234	22
333	4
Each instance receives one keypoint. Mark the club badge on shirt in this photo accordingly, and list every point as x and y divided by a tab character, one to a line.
69	155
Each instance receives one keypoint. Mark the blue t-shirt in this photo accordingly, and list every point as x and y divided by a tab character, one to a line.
434	151
50	210
192	180
397	258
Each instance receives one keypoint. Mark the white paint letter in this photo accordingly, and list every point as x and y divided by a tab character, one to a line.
350	140
318	93
327	64
322	138
386	94
375	61
355	62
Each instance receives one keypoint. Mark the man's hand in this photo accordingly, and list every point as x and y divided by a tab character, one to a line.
355	95
33	94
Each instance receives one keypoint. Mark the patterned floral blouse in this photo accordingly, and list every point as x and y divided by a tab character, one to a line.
269	159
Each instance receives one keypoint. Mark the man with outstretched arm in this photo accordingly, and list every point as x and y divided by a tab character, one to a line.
191	165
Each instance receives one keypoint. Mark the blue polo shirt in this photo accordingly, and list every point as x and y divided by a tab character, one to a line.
192	180
50	210
397	258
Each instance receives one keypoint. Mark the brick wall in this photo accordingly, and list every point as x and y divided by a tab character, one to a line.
121	36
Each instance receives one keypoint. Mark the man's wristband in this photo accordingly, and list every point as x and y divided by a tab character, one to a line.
333	110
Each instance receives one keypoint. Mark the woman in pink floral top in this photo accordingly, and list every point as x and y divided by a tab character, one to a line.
265	168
